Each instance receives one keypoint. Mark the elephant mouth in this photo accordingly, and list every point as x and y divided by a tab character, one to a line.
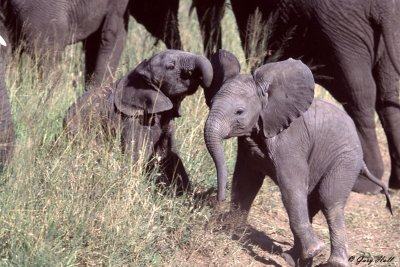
187	74
147	119
239	130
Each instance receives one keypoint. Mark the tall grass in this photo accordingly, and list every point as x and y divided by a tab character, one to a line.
64	204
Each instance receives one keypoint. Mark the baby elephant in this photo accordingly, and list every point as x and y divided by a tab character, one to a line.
142	106
309	148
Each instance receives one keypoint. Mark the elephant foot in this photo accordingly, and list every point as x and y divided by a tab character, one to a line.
394	182
314	250
293	259
365	186
394	179
337	262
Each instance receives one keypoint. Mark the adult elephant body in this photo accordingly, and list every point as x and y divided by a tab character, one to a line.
45	26
353	45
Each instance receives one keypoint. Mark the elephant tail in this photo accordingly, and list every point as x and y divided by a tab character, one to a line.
378	182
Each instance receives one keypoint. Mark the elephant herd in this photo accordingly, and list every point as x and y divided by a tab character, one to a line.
351	47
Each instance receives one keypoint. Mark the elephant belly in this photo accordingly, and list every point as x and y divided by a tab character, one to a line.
84	22
257	157
59	22
40	20
334	140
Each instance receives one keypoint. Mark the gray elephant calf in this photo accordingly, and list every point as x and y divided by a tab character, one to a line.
142	107
310	148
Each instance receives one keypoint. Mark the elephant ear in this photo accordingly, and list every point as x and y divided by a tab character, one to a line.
144	71
286	90
129	97
225	66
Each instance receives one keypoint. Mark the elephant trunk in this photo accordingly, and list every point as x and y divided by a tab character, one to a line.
214	133
203	66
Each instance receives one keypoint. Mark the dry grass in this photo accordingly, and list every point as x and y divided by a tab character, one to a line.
86	204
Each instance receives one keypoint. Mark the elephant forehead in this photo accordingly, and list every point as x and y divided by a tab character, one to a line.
169	55
239	86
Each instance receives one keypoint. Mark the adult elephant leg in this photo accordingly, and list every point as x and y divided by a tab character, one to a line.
160	18
254	20
103	50
91	47
243	13
388	108
354	86
210	13
7	134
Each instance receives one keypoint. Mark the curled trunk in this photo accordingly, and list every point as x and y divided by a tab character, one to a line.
203	66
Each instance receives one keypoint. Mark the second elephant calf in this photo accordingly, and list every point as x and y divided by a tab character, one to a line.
142	106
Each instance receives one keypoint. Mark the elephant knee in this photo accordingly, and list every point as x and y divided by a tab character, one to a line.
363	118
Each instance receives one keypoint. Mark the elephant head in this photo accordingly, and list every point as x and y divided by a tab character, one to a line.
161	82
155	89
266	102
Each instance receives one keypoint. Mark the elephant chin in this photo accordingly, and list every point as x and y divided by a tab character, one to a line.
214	135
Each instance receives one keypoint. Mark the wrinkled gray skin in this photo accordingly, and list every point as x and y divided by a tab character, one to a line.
354	47
7	134
49	26
142	106
309	148
102	27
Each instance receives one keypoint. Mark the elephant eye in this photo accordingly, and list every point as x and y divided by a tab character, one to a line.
239	111
170	66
